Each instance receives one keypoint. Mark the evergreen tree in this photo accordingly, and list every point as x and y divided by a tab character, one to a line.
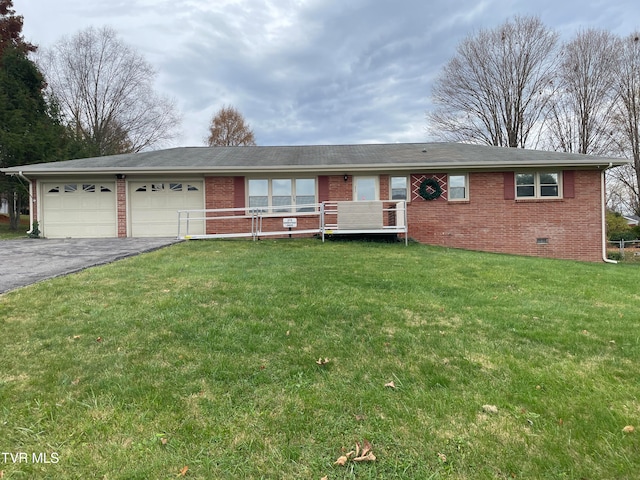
29	128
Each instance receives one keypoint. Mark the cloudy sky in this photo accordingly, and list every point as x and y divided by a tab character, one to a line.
307	71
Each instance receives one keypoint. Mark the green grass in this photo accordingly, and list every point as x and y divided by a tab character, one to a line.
6	233
207	359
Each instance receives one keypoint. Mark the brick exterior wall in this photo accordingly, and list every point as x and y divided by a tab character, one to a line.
487	221
340	190
121	201
34	201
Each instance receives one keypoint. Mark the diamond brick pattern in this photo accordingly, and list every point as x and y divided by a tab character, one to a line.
418	178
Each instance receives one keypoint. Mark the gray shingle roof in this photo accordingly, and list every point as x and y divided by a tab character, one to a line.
320	158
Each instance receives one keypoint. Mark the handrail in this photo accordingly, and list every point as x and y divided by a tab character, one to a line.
252	221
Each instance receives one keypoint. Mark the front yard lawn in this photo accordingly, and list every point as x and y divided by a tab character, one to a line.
271	359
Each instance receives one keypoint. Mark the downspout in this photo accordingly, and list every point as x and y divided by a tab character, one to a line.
604	215
20	174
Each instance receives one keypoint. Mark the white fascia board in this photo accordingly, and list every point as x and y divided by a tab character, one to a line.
317	169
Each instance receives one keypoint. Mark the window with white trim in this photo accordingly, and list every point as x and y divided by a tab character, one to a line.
458	188
282	194
305	189
538	185
398	188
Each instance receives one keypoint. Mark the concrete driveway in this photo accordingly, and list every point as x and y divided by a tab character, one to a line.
27	261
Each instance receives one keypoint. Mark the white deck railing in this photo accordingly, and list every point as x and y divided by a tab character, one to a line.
333	218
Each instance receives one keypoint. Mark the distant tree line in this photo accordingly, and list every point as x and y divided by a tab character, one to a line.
89	95
518	86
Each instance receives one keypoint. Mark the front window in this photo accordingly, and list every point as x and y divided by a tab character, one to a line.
538	185
305	194
399	188
258	193
282	194
457	187
549	185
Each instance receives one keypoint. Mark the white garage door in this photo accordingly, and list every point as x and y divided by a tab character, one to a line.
155	205
79	210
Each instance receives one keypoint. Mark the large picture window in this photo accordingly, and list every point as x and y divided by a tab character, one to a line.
538	185
282	194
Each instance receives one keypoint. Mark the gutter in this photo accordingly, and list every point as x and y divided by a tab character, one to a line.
334	168
603	201
31	206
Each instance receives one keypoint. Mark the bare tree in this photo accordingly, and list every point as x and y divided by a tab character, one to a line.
627	115
622	189
497	86
579	118
228	129
105	93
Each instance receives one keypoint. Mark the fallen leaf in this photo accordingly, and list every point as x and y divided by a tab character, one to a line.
342	461
322	362
442	457
99	339
366	447
75	381
360	418
183	472
490	409
390	385
628	429
369	457
76	337
163	441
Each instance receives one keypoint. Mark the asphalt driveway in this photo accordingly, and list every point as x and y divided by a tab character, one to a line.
27	261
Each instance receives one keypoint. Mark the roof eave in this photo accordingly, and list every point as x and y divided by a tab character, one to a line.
390	167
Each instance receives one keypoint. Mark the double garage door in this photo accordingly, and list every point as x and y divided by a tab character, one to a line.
89	209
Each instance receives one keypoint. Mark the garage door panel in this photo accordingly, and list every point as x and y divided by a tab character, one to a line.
79	210
155	204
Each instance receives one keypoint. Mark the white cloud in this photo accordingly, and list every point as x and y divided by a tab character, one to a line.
305	71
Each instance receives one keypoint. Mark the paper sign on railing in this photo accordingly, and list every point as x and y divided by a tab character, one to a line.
289	222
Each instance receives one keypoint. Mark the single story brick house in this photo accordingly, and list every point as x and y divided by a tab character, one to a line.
493	199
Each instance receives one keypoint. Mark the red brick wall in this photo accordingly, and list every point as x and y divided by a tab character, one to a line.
219	192
34	201
339	189
121	200
488	222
